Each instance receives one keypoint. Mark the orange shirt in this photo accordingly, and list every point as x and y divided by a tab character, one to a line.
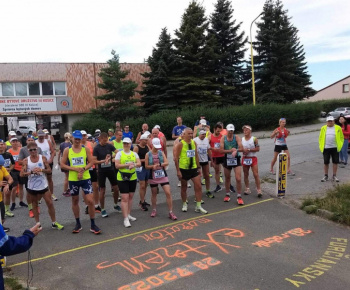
15	157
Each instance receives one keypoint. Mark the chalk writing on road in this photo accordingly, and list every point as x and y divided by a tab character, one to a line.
162	257
335	251
169	232
172	275
299	232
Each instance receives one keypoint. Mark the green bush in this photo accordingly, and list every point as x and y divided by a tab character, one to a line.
328	106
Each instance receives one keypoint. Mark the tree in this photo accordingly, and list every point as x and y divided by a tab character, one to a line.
119	102
155	94
280	66
191	83
229	49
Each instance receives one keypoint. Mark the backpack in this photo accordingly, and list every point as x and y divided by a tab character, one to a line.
150	157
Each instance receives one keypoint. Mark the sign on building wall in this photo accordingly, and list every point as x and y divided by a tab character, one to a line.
26	105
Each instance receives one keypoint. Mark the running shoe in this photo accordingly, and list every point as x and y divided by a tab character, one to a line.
104	213
41	199
86	210
189	185
22	204
221	180
77	229
172	216
200	210
203	181
247	191
227	198
272	172
259	193
202	201
117	208
144	206
13	206
95	229
53	197
220	174
210	175
154	213
209	194
31	213
240	201
179	184
146	203
325	178
217	189
232	189
131	218
9	213
6	229
57	226
184	207
119	199
97	209
66	193
335	178
127	223
290	172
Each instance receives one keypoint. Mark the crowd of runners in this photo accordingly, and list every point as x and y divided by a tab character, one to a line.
88	161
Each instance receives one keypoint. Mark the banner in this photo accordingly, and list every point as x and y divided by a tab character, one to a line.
281	175
26	105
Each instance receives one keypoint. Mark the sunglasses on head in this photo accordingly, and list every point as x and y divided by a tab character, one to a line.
31	150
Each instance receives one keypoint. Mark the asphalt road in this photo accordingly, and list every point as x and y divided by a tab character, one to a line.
249	247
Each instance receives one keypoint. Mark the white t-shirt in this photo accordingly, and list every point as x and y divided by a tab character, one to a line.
202	147
119	154
330	138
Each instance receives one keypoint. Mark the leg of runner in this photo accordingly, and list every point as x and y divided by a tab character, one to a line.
205	170
246	179
131	196
50	182
169	201
76	212
289	172
102	201
115	189
35	201
184	194
143	188
255	171
154	200
89	200
7	199
217	177
238	174
125	204
66	191
198	194
51	210
227	173
96	196
275	154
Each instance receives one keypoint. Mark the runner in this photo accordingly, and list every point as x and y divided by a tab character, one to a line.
50	138
12	134
201	117
280	134
35	167
142	173
9	165
64	145
217	156
17	180
204	153
49	152
126	162
103	157
331	141
144	129
250	148
5	184
230	145
127	133
93	174
156	162
174	146
187	167
177	130
343	155
160	134
202	126
156	134
111	136
24	153
80	161
118	142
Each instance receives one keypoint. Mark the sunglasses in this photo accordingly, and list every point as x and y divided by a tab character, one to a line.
31	150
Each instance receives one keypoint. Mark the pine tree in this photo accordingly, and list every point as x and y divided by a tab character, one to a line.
229	53
280	66
191	83
119	92
156	84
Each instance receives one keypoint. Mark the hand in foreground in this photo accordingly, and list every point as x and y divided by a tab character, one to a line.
36	229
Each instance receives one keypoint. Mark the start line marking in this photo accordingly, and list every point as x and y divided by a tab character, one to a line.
136	233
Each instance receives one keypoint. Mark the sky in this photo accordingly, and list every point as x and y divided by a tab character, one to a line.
87	31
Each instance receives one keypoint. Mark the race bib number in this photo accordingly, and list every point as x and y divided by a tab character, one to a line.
104	165
139	169
77	161
231	161
15	157
202	151
217	145
7	163
190	153
159	173
247	161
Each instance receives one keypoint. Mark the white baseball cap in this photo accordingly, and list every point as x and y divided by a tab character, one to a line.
201	132
144	136
97	131
46	131
156	143
203	122
12	133
127	140
83	132
330	118
230	127
157	127
12	139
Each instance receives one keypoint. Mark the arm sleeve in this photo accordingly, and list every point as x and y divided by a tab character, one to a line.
13	245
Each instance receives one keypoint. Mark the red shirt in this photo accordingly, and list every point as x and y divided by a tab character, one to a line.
215	143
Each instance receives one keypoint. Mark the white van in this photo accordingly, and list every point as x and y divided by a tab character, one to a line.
25	127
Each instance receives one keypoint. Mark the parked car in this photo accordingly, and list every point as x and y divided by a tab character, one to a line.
339	111
25	129
323	114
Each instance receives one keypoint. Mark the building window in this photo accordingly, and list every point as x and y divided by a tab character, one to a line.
34	89
60	88
7	89
47	88
21	89
346	88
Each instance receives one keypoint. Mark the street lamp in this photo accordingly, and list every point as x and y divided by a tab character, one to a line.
251	52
